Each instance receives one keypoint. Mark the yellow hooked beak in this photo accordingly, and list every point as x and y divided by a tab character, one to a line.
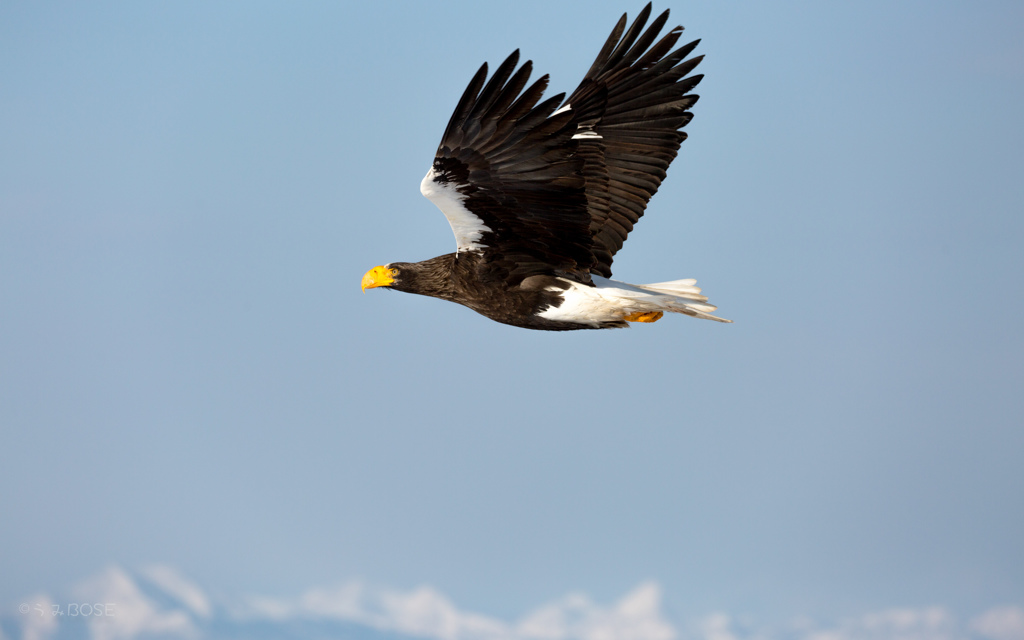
378	277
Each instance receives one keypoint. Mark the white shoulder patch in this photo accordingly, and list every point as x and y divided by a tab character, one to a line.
467	226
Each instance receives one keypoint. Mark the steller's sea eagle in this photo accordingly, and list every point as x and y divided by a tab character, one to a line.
541	194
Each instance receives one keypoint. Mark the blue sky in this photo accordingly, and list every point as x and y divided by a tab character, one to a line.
190	193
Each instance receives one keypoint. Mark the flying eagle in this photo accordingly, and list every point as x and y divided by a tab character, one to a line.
541	194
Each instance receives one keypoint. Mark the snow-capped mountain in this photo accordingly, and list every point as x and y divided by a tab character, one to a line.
158	603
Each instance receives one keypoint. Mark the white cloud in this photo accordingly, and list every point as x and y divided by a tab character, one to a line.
717	626
553	621
422	612
636	616
929	623
38	622
347	602
130	612
188	614
932	623
1001	623
427	613
258	607
183	590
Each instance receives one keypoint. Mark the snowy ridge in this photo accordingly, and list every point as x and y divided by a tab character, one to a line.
157	602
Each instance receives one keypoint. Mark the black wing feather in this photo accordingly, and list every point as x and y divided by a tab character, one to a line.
552	202
515	166
640	93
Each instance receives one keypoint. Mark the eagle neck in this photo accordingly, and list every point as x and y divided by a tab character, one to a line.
431	277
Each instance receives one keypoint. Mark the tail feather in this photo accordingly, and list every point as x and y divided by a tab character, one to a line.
682	288
691	311
683	296
614	301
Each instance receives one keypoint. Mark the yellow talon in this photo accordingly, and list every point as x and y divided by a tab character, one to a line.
644	316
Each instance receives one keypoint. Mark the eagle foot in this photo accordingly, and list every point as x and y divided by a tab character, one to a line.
644	316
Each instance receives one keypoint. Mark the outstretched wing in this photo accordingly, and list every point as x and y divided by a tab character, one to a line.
507	177
629	110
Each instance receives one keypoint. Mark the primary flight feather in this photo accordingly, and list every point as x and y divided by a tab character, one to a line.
541	194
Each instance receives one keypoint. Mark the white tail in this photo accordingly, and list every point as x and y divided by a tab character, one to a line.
611	301
693	303
676	296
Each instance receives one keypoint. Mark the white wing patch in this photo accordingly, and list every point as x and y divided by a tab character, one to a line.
467	226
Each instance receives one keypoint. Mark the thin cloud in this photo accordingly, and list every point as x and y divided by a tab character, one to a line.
1000	623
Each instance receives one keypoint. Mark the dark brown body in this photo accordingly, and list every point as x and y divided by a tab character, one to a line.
468	279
